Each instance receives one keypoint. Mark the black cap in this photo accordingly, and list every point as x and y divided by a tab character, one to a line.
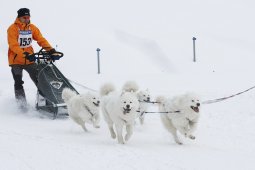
23	11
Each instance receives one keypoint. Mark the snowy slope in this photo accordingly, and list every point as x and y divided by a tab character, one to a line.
149	42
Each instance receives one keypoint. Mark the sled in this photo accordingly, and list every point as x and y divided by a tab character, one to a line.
51	83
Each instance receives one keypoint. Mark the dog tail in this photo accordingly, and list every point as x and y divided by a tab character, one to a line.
130	86
67	94
106	89
160	99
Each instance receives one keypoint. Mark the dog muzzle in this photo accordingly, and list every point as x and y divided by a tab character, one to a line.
196	109
96	104
126	110
148	100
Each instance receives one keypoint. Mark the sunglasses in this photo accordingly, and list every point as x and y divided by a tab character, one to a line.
25	17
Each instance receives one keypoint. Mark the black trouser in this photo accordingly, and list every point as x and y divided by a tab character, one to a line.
17	73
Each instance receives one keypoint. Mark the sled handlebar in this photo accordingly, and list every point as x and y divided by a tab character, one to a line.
45	55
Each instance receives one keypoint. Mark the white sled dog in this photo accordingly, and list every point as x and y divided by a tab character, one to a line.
119	109
183	114
143	97
82	108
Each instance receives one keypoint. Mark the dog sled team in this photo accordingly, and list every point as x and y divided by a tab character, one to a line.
121	108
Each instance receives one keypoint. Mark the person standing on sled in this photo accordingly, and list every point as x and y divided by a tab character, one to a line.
20	36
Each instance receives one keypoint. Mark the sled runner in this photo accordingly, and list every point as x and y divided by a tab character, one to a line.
51	83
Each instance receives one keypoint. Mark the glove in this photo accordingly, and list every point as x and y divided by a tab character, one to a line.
30	57
55	57
52	51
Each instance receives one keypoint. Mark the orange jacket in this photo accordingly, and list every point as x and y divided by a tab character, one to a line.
15	53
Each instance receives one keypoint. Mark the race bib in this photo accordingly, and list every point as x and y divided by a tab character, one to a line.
25	38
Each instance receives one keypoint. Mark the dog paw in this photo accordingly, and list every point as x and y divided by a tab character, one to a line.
127	137
113	135
192	137
121	142
84	128
179	143
97	126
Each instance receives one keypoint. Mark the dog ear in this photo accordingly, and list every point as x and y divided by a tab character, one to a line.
123	91
160	99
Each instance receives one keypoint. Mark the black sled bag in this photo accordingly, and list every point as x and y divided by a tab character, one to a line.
51	83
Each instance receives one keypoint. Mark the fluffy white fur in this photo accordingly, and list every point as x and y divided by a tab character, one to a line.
82	108
143	97
130	86
119	110
185	121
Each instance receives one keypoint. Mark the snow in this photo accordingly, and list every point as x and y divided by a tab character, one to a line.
149	42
